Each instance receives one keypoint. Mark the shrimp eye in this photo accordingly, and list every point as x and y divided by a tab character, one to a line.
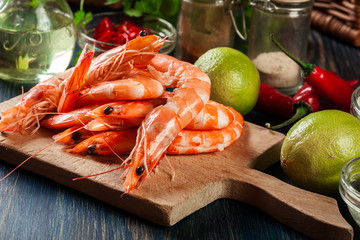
91	149
76	136
108	110
140	170
143	33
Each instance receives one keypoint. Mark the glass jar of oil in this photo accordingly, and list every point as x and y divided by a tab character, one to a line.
37	39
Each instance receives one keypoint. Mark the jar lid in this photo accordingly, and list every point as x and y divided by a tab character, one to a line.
291	1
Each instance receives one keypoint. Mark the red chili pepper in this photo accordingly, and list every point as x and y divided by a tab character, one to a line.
272	101
325	83
306	101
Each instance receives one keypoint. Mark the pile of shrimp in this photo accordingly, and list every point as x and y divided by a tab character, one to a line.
118	103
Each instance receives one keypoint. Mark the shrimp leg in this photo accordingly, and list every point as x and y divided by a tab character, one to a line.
73	85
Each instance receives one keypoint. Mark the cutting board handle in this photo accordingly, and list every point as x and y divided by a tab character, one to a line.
315	215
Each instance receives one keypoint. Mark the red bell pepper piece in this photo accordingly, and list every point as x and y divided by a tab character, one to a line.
104	26
326	84
126	31
106	36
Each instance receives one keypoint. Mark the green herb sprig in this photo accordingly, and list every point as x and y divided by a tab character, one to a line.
81	15
166	9
161	8
36	3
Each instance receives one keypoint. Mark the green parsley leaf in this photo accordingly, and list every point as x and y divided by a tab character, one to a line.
133	12
35	3
109	2
170	7
148	6
158	8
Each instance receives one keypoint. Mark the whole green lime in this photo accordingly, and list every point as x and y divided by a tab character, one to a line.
316	148
235	81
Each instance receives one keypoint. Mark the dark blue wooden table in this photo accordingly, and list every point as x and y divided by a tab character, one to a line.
33	207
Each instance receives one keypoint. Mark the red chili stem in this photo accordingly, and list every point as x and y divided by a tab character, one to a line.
325	83
304	102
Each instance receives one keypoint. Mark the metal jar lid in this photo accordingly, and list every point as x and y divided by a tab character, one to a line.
291	1
281	5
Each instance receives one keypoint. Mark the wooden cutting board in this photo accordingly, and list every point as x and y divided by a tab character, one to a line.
199	179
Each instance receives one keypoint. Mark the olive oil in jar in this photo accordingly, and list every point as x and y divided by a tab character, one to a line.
35	42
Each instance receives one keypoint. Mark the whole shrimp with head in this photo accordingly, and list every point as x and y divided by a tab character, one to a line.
61	91
163	124
109	66
40	100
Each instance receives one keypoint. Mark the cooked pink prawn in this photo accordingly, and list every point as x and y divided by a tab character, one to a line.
110	65
75	117
44	97
116	116
213	116
164	123
72	86
117	62
41	99
107	143
186	142
200	141
129	114
137	88
106	124
121	115
126	109
73	135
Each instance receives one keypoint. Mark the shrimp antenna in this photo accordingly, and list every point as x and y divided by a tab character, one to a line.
101	173
97	174
18	166
32	156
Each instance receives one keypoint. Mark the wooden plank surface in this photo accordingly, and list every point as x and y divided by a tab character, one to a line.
199	180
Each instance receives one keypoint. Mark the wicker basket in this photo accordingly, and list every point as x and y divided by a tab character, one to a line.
338	18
